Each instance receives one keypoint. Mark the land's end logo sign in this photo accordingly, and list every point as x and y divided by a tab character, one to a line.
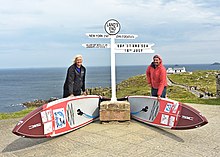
112	27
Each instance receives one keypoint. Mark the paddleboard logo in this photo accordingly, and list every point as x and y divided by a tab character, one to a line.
187	117
172	121
154	111
112	27
48	128
70	114
34	126
175	107
60	118
164	119
46	116
168	107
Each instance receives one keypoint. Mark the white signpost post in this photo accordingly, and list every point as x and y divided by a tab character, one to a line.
112	27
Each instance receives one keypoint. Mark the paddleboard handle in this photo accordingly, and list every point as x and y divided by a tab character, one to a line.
145	109
79	112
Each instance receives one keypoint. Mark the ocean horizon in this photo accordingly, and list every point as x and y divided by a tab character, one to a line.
193	65
19	85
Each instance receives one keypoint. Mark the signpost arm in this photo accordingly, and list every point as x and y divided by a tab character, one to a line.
113	78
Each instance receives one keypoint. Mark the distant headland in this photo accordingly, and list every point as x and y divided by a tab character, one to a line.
216	63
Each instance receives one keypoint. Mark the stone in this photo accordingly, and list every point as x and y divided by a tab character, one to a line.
114	111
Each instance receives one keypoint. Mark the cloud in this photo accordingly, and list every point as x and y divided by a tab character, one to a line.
39	26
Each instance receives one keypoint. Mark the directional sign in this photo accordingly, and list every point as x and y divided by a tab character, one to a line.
134	51
126	36
98	35
118	36
92	45
112	27
123	46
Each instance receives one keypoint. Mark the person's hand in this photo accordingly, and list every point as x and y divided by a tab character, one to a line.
158	97
84	93
71	95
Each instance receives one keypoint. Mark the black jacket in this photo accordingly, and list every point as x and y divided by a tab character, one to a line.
75	81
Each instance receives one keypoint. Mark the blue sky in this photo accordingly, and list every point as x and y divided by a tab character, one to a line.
49	33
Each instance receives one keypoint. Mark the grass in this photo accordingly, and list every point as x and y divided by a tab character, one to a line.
18	114
182	95
137	85
204	80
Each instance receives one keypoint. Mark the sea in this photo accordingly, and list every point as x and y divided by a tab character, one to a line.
28	84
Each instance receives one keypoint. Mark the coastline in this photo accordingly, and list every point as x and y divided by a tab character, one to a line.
48	83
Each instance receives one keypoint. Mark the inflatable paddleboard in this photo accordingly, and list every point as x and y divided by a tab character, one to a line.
165	113
59	117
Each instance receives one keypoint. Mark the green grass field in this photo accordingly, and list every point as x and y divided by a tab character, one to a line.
205	81
137	85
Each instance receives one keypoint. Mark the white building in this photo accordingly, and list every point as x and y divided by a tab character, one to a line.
176	70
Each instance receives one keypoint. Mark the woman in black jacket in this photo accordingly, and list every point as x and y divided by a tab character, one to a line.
75	78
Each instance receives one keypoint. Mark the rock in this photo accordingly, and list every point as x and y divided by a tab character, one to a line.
114	111
38	103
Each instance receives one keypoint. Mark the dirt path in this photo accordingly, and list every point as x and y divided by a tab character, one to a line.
193	91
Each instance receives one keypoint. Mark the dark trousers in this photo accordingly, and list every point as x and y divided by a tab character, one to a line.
154	92
75	93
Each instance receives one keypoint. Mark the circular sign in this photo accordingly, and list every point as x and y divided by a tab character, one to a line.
112	27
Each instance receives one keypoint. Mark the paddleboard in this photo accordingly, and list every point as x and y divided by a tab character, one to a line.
165	113
59	117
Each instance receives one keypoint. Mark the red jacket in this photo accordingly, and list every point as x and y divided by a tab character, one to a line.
157	77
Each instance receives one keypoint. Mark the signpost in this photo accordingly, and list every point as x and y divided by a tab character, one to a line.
91	45
112	27
118	36
98	35
133	48
126	36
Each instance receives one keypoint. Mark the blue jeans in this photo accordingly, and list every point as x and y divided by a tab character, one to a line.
154	92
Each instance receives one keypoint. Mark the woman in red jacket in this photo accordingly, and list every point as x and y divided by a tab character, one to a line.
157	77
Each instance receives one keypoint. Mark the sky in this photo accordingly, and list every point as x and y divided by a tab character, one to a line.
49	33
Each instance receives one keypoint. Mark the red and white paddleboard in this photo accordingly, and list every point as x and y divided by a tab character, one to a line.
59	117
165	113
